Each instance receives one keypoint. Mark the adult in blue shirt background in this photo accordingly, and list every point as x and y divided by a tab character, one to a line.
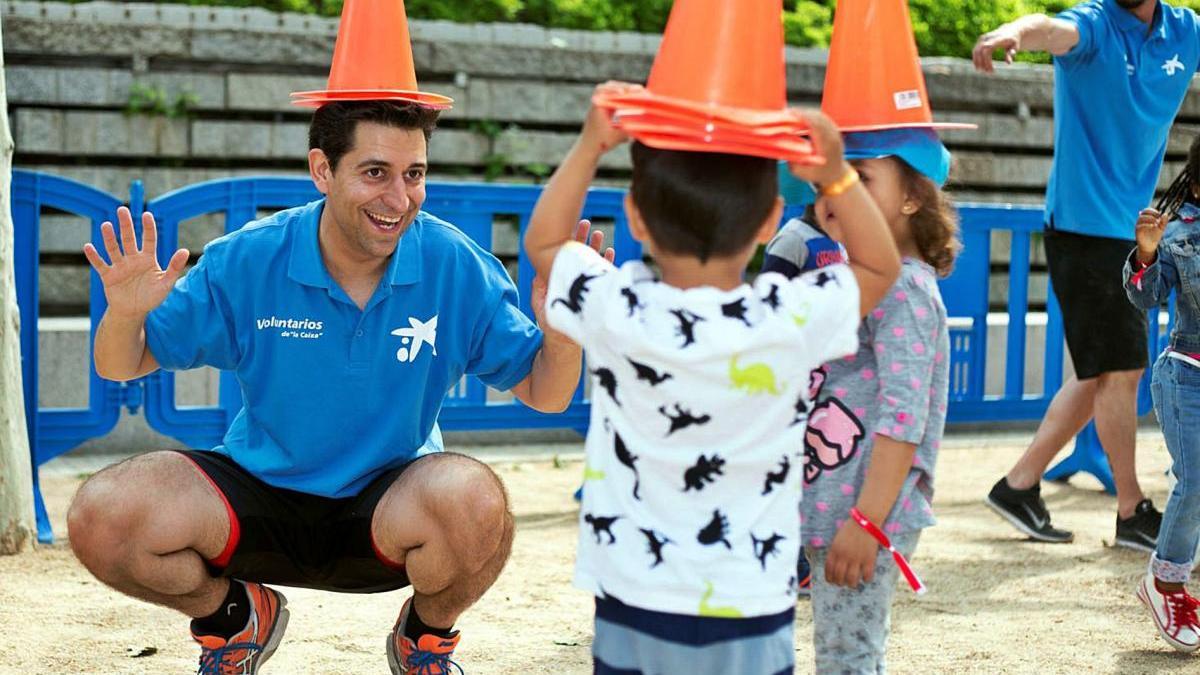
346	322
1122	69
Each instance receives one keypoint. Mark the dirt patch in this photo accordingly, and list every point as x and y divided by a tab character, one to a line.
996	604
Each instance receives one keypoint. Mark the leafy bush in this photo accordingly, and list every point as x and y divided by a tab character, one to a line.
942	27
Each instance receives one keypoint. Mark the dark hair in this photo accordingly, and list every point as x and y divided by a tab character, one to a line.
333	124
1180	192
699	203
935	224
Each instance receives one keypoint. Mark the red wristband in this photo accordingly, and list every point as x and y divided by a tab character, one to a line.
909	575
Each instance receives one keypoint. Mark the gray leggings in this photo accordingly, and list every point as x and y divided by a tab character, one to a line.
851	626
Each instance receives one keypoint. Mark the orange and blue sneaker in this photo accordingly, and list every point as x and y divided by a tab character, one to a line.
430	655
244	652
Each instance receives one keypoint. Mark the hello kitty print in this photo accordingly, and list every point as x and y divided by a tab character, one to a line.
895	385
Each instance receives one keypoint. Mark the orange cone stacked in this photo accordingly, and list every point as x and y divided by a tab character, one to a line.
874	80
372	59
718	85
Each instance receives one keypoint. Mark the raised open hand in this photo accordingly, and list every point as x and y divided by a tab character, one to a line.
134	284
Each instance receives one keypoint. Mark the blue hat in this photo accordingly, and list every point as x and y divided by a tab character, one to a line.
795	192
919	148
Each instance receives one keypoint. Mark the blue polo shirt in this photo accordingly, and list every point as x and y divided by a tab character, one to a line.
336	395
1116	94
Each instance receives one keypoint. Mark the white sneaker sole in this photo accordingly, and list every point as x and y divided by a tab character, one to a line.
1021	526
1135	544
281	622
1179	646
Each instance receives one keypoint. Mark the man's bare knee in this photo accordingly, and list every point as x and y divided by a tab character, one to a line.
469	502
143	505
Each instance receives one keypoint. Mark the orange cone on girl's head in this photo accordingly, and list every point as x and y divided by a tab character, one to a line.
874	80
718	84
372	59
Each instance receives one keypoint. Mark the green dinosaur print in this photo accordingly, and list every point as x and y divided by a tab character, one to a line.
592	474
756	378
801	319
718	612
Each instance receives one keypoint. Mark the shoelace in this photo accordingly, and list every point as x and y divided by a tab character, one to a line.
1183	609
423	663
212	661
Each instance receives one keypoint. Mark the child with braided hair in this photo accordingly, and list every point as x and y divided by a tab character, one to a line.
1166	259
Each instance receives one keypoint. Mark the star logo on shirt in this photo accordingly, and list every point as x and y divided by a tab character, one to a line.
1173	66
414	337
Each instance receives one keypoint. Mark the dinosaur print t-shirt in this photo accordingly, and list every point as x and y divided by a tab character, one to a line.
699	399
895	386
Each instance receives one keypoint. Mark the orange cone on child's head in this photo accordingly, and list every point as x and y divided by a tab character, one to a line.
718	84
372	59
873	80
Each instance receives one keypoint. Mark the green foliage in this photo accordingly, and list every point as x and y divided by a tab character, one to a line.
942	27
150	100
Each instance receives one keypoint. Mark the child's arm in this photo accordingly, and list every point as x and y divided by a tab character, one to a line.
1149	272
852	554
907	330
561	202
869	244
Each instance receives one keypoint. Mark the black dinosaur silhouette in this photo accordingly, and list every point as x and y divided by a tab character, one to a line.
576	293
715	531
802	410
736	310
703	473
777	477
682	419
655	544
628	459
687	326
645	372
632	299
822	277
766	547
609	381
772	298
602	524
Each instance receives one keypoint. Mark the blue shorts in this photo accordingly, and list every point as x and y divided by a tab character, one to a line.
632	641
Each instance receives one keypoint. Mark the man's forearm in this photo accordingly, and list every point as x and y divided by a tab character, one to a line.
1040	33
120	348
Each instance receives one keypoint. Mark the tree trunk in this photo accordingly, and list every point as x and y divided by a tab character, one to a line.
18	530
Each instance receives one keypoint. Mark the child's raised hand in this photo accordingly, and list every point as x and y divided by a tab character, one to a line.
1149	231
828	141
598	129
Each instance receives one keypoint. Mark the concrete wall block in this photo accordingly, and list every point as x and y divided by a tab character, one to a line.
214	138
1001	248
289	141
995	130
451	146
63	233
119	135
252	91
62	284
39	130
94	87
31	84
63	364
523	147
979	168
531	102
998	288
440	31
315	50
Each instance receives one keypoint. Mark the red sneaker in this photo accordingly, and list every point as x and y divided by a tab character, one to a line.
246	651
430	655
1174	615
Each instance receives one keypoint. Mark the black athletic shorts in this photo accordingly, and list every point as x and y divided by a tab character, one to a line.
290	538
1104	331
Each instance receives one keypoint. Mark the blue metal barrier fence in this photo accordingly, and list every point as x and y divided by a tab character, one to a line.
474	208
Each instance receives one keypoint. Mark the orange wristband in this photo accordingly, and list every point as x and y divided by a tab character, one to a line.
841	185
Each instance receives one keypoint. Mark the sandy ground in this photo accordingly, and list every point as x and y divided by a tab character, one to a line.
997	604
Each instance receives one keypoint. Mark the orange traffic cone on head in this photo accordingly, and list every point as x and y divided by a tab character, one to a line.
873	80
372	59
718	84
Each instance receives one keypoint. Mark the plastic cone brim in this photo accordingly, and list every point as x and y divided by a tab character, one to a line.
798	151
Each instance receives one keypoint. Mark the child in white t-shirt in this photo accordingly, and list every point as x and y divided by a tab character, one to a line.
689	536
